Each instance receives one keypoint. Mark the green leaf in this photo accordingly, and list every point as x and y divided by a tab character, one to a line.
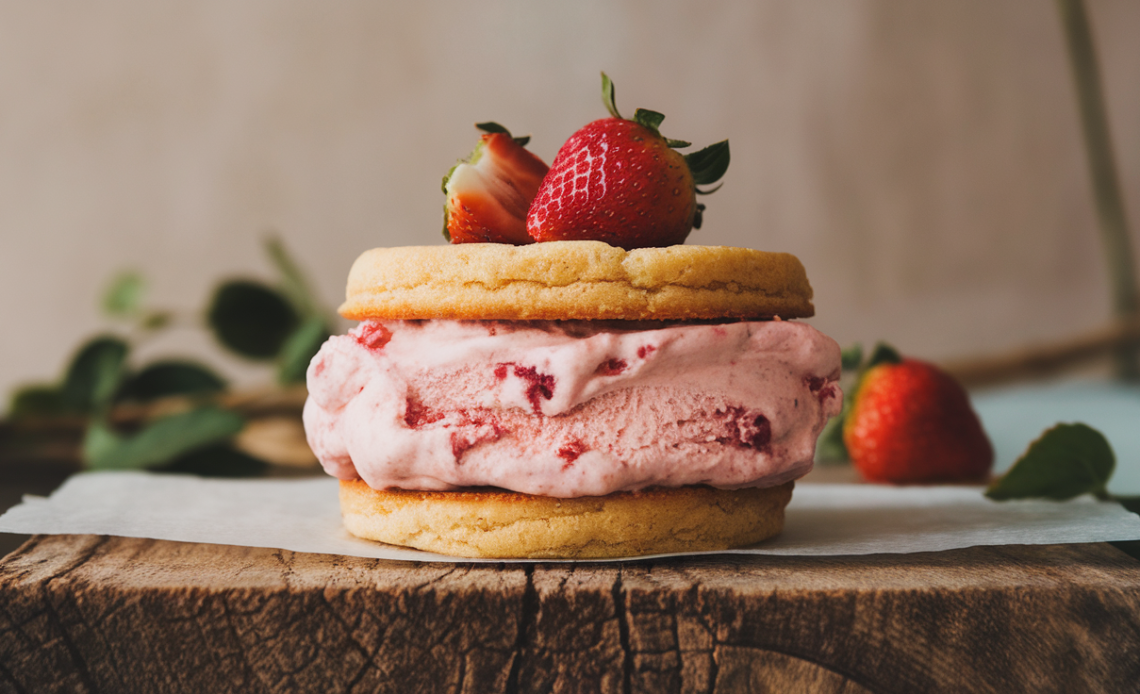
829	447
1067	461
217	461
608	96
251	319
709	164
300	349
160	441
852	357
94	374
165	378
36	401
649	119
677	144
294	284
883	354
493	127
124	297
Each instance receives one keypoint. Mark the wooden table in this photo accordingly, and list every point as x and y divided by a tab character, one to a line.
104	614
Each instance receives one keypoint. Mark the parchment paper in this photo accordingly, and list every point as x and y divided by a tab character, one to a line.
304	516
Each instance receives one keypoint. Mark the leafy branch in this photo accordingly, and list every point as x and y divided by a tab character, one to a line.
188	420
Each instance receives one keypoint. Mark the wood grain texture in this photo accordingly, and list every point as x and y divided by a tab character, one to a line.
97	614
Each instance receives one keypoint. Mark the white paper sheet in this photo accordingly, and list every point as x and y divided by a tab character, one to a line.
304	516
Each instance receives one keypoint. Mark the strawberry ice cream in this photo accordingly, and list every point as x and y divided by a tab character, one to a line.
570	408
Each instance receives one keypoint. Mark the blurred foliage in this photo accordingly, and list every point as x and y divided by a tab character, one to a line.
187	427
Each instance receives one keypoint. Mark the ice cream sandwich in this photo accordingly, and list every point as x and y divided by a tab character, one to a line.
571	399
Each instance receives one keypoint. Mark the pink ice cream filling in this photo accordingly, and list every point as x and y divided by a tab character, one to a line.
571	408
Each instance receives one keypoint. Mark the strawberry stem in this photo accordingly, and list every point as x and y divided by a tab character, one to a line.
608	96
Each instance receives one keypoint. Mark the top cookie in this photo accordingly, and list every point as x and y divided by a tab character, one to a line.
575	280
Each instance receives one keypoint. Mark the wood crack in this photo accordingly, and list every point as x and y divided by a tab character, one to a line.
623	634
528	617
81	669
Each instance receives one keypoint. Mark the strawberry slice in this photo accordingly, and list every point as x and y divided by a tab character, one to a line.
621	182
489	192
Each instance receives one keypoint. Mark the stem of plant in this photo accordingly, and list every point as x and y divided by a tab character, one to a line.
1106	186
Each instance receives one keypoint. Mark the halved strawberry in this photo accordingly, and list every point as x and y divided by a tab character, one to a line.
489	192
620	181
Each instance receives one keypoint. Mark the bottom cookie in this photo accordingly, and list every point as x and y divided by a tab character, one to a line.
502	524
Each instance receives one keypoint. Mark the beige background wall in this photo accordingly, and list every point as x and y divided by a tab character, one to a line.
923	159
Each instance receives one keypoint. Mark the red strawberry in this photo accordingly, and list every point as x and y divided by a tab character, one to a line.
621	182
912	422
489	192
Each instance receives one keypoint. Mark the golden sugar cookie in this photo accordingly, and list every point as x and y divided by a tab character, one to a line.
502	524
575	280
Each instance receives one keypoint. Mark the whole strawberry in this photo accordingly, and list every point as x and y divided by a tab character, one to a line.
489	192
621	182
912	422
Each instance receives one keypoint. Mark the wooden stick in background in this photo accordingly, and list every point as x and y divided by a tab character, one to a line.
1046	360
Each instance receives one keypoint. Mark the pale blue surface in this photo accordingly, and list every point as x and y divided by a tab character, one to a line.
1013	417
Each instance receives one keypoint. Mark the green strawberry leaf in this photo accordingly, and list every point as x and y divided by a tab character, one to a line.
709	164
677	144
1066	461
829	447
251	318
648	119
94	374
852	357
300	349
883	354
160	441
492	127
165	378
608	96
124	297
